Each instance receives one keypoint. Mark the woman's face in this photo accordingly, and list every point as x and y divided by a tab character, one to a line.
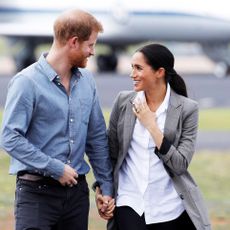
143	75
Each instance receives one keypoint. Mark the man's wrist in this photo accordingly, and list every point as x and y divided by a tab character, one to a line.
95	185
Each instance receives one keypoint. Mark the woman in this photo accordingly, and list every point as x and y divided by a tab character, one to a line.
152	133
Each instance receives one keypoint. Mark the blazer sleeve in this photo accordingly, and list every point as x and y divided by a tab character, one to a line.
177	155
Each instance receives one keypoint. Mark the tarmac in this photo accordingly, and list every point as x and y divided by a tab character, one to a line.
198	74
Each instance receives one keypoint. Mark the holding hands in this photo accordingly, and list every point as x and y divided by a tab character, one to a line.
105	205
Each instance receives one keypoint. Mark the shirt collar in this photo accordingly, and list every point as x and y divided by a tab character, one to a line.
50	72
164	105
47	69
76	73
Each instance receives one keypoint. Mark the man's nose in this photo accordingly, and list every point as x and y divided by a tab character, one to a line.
92	52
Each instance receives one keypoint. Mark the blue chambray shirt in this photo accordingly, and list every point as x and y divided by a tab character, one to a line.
44	128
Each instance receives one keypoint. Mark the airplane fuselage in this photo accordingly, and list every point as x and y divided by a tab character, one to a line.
123	26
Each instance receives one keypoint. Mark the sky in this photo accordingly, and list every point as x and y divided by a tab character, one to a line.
217	8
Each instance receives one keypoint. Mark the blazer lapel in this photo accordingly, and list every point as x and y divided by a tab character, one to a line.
129	123
172	118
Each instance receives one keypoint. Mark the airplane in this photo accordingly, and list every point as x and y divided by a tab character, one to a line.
125	23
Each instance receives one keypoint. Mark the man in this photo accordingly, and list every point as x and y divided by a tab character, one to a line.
52	117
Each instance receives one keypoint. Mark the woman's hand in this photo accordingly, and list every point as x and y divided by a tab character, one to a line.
144	114
148	119
105	205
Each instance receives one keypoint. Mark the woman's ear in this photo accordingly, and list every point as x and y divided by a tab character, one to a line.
161	72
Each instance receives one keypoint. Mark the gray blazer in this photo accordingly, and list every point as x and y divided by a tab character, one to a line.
180	130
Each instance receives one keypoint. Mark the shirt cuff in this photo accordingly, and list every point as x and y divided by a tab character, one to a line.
165	146
106	188
95	185
55	168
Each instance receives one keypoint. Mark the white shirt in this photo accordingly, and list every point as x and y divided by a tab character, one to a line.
144	185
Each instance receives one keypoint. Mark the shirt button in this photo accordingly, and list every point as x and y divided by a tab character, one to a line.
71	120
68	161
71	141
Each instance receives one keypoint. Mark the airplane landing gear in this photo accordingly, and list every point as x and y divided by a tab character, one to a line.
107	62
220	54
26	55
222	70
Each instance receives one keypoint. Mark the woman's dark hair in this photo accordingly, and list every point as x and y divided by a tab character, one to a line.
158	56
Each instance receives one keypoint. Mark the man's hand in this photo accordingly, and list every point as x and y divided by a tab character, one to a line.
69	177
105	205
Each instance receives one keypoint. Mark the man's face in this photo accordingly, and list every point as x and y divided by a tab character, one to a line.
84	50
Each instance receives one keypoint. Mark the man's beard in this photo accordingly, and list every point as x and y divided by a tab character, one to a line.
80	64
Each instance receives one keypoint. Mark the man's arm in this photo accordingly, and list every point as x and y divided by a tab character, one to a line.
97	149
17	117
105	205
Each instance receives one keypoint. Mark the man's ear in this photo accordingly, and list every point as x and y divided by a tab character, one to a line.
73	42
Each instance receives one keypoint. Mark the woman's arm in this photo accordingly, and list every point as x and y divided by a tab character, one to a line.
177	158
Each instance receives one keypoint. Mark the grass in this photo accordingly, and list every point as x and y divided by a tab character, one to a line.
7	188
210	170
209	119
2	46
214	119
1	115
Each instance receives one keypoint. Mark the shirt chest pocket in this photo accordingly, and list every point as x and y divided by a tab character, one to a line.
85	105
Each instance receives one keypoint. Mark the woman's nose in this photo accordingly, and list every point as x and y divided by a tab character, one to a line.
131	74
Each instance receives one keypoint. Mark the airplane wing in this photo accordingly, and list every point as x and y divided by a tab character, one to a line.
32	22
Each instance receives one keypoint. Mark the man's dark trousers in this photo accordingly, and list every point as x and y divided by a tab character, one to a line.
41	205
